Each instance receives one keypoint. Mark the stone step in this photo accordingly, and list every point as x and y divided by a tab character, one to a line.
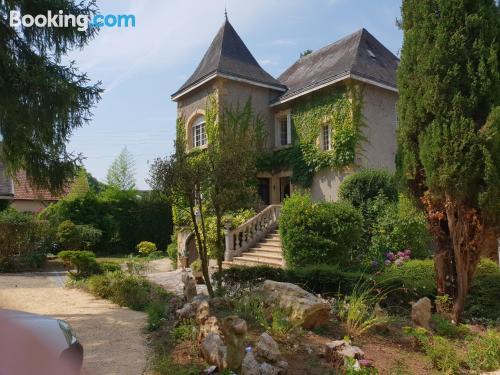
266	249
263	254
240	261
259	258
272	241
268	245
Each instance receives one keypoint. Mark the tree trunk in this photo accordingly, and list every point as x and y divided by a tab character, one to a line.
220	247
202	252
458	232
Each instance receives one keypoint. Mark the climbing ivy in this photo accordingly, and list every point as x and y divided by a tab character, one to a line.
341	109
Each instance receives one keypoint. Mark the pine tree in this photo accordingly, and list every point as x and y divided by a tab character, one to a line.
121	173
42	101
80	186
449	133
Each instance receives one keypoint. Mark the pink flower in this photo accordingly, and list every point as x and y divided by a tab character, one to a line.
407	252
387	262
399	262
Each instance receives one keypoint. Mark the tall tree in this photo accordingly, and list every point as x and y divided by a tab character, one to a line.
449	133
80	186
42	101
121	173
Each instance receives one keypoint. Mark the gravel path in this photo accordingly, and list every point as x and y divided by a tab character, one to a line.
112	336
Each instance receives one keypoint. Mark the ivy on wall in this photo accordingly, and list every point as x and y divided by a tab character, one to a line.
341	109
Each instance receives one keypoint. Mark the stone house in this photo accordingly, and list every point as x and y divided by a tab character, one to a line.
229	71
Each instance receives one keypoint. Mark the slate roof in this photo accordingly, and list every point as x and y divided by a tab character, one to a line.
359	53
230	56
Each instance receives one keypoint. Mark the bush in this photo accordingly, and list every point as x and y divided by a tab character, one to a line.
109	267
72	236
400	226
126	290
487	267
84	262
156	315
146	248
446	328
124	218
318	233
408	282
24	241
483	352
483	300
367	184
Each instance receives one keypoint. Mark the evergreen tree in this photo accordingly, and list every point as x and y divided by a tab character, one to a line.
80	186
449	133
121	173
42	101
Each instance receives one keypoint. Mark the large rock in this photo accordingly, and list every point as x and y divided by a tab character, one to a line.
250	366
267	349
202	312
214	351
421	313
305	308
190	309
189	288
234	330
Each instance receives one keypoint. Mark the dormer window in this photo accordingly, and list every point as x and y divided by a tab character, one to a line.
326	138
283	129
199	132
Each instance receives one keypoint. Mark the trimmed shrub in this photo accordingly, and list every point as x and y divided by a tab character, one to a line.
400	226
146	248
72	236
408	282
24	241
83	261
318	233
487	267
109	267
367	184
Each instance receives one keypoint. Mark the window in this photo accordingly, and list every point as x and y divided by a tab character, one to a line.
283	130
326	138
199	132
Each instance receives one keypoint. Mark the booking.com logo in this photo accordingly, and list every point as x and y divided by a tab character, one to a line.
82	22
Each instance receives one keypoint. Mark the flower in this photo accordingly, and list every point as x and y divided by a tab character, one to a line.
374	264
390	255
407	252
387	262
401	254
398	262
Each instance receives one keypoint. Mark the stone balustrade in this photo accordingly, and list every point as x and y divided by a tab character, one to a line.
251	232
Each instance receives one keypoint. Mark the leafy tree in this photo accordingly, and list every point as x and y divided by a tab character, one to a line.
121	173
206	183
234	135
42	101
80	186
449	134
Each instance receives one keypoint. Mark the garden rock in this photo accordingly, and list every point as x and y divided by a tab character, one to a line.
268	369
202	312
214	351
189	310
250	366
211	325
189	288
267	349
421	313
305	308
336	351
234	330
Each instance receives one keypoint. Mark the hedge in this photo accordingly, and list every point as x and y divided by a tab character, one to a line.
367	184
319	233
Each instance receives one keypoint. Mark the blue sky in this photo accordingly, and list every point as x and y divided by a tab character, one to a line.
141	67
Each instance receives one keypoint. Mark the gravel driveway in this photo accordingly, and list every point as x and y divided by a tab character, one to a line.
112	336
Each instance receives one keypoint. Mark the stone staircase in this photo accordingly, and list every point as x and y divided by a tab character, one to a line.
255	242
266	252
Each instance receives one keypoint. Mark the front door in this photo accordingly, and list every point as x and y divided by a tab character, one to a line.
264	192
285	188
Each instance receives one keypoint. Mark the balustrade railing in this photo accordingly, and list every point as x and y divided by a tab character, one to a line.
251	232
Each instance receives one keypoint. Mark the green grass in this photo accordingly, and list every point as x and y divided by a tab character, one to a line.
115	258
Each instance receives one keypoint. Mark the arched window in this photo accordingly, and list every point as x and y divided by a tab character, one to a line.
199	132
